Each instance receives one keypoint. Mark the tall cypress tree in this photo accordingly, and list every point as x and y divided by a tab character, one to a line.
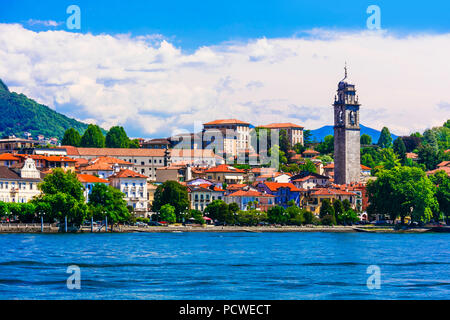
385	140
400	149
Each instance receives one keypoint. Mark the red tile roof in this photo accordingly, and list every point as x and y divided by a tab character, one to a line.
8	156
281	125
226	121
249	193
331	192
225	168
88	178
309	151
274	186
126	173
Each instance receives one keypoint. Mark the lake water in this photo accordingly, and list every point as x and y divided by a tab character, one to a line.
225	266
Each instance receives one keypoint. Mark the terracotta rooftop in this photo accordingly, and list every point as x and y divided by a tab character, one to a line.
310	151
225	168
88	178
226	121
126	173
274	186
281	125
249	193
8	157
331	192
115	152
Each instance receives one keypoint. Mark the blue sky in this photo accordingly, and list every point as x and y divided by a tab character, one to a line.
164	67
191	24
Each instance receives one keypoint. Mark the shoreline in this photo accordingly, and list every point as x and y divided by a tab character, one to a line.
48	229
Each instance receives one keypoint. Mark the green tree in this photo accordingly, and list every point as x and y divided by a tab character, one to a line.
401	192
62	195
365	139
106	200
338	210
71	138
197	215
219	210
134	144
327	146
295	214
385	140
400	149
346	205
234	207
284	144
117	138
308	166
3	209
442	182
307	136
326	208
308	216
173	193
428	156
389	159
167	213
27	212
93	137
276	214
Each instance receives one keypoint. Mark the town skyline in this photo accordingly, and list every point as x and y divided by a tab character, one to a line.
132	75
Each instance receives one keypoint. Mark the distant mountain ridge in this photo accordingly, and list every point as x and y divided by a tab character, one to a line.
21	114
319	134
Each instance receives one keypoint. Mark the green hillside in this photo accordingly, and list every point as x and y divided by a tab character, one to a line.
21	114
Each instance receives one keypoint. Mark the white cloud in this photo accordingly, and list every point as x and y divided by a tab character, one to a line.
45	23
152	87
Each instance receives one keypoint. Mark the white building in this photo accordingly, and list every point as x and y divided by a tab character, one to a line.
21	183
134	186
229	137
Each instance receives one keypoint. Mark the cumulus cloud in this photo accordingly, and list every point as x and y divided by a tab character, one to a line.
154	88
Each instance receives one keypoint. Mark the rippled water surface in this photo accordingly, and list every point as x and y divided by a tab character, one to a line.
225	266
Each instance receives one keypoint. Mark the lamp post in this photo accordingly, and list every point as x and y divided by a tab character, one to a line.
92	223
106	221
65	223
41	214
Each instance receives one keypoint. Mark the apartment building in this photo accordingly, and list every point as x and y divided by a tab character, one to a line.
294	131
229	137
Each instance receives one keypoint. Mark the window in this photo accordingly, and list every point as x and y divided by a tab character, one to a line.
142	163
142	171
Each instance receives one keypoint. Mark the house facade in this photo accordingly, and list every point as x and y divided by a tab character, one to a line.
134	186
21	184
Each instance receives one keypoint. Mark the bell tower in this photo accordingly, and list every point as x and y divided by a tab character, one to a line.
347	167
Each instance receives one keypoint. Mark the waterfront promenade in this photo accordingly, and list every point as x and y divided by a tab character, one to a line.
53	228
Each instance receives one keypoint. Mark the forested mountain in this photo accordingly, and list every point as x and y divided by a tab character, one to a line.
21	114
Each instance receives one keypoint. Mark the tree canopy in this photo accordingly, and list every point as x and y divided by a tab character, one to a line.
93	137
71	138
